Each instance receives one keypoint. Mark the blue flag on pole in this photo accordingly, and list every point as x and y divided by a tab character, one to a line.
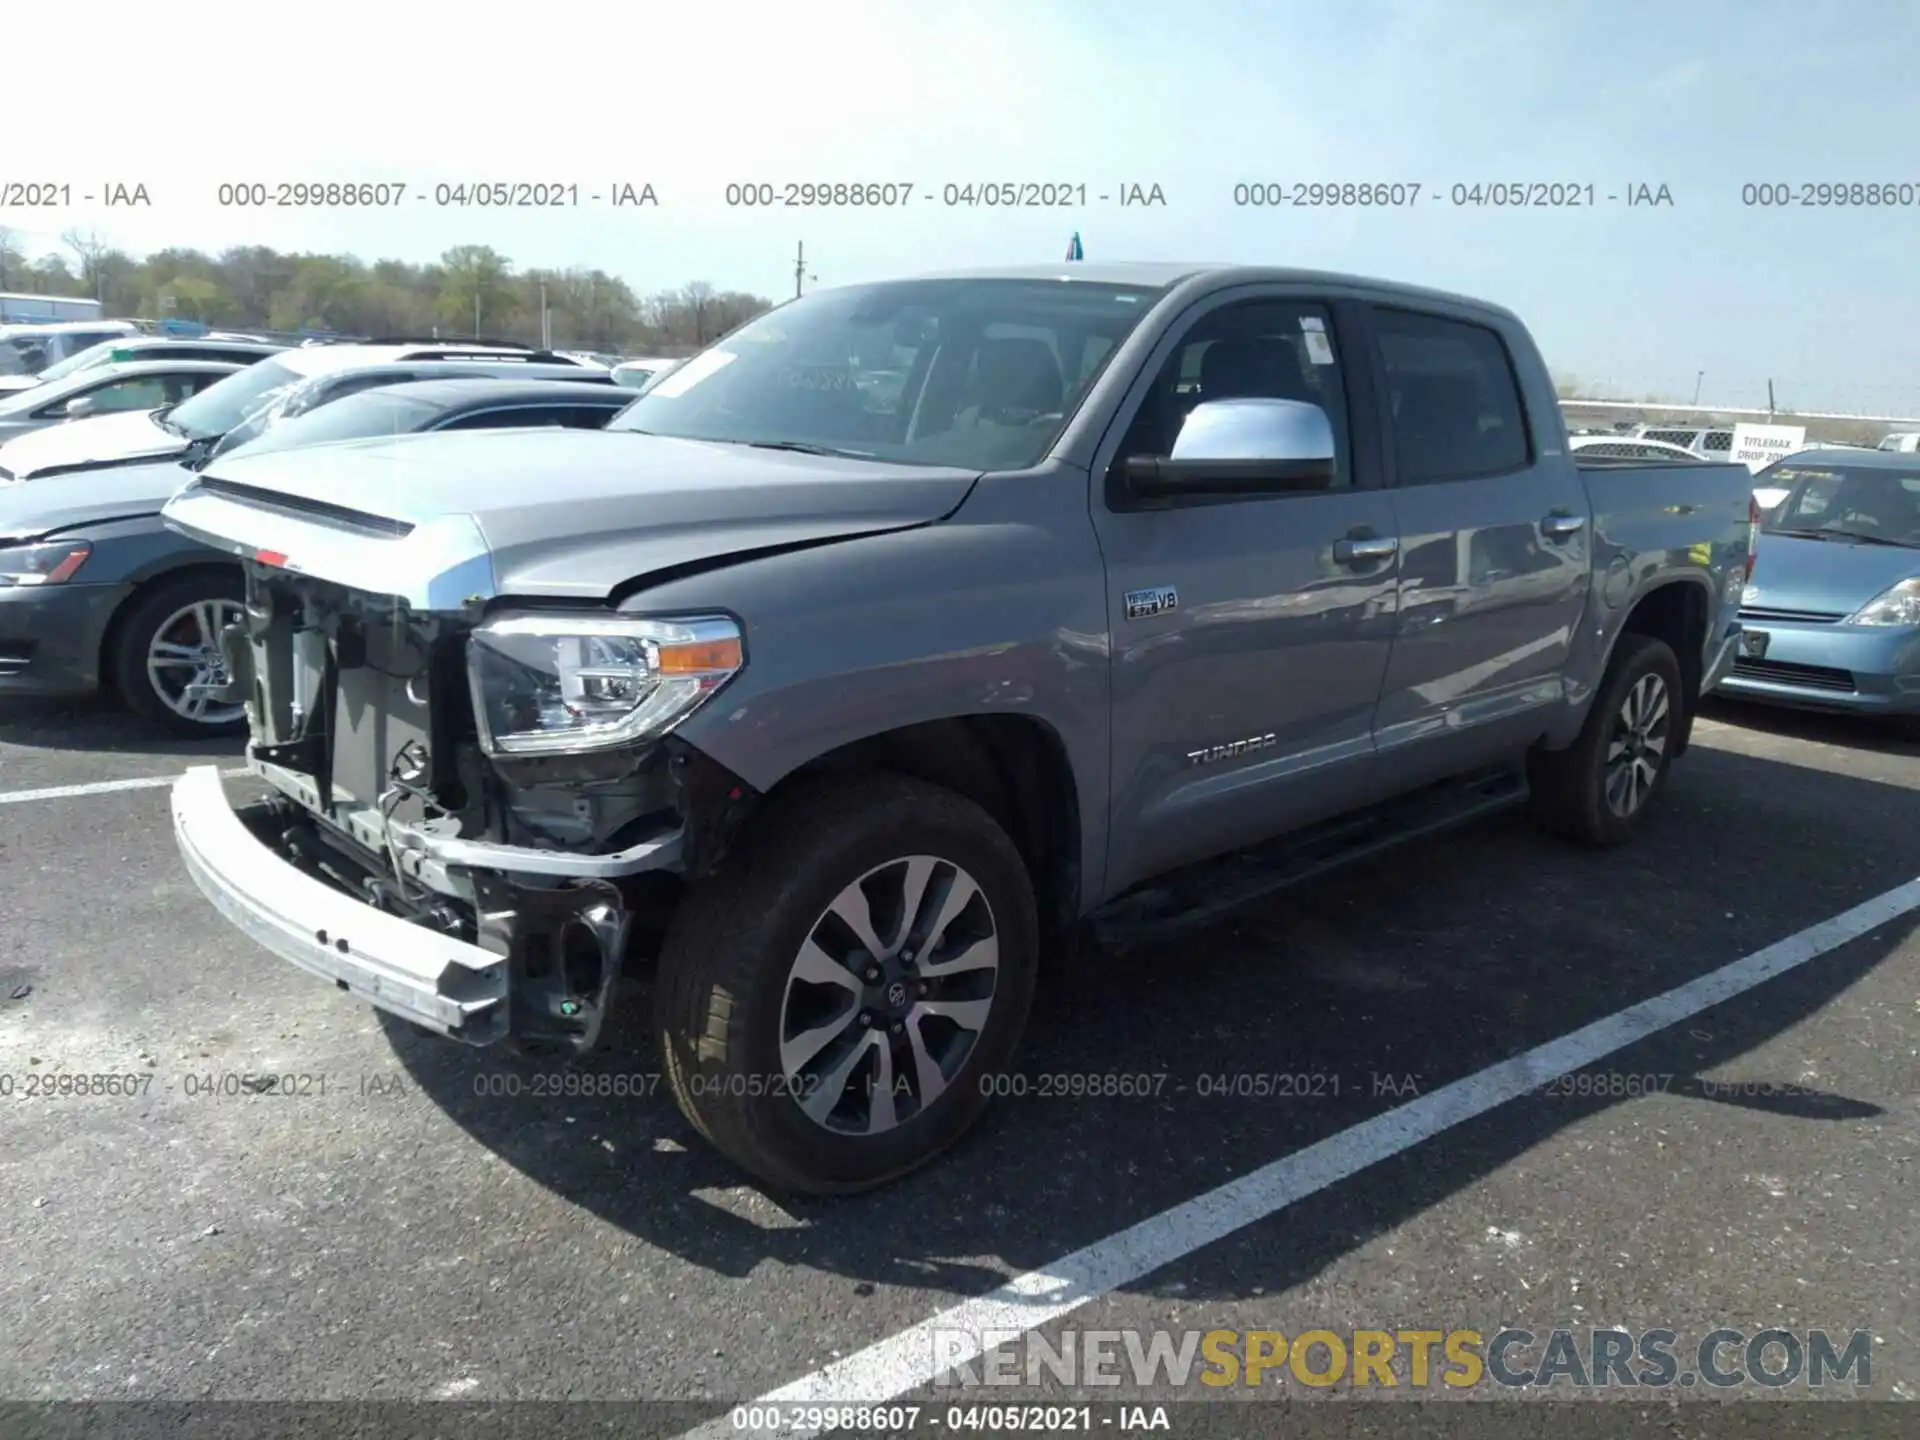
1073	248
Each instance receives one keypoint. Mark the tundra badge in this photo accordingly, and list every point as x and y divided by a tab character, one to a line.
1158	601
1232	751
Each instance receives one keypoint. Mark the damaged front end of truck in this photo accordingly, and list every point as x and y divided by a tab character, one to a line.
481	802
500	783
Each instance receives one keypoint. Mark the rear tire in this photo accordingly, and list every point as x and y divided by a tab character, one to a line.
1598	790
772	1020
154	654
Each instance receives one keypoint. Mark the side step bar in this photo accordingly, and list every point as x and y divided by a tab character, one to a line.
1201	894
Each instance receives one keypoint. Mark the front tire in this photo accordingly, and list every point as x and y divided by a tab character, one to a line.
831	1008
1598	790
170	640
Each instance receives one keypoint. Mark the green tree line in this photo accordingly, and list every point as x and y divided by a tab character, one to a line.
469	290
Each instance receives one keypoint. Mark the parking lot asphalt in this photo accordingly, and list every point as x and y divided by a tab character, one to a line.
390	1221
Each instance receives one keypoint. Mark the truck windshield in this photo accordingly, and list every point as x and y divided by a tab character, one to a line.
978	373
218	408
1866	502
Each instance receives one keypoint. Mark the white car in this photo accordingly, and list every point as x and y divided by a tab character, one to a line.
1709	441
1631	447
639	374
26	350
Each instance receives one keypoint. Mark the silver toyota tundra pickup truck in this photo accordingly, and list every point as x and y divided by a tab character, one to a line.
877	653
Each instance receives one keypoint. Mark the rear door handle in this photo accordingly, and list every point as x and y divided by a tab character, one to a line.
1560	525
1364	549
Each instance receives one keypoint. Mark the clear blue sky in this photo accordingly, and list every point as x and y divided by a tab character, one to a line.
1701	95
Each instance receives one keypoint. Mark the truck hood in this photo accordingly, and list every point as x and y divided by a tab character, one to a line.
1834	577
442	519
86	444
30	511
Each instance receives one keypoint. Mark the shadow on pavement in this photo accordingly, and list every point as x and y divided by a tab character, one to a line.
1381	982
1879	733
98	723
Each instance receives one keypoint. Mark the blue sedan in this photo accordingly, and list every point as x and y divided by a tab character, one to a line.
1831	619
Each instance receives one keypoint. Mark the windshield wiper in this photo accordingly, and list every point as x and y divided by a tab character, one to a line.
1847	535
801	447
1878	539
199	451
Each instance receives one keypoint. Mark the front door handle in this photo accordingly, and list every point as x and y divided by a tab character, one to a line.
1560	525
1364	549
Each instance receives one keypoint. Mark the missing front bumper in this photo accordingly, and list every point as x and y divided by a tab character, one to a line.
438	981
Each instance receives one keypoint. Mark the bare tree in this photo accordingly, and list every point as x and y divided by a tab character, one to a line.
697	296
12	257
87	247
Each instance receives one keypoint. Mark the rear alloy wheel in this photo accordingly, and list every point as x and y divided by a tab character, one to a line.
1637	747
1597	790
832	1007
169	651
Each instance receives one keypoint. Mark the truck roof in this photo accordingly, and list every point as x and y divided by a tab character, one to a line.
1164	275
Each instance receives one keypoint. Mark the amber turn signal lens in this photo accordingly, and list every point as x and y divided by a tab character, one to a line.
701	657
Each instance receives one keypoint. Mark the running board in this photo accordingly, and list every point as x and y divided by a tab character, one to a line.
1200	894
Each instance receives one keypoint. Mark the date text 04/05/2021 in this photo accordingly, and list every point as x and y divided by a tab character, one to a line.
457	194
774	1420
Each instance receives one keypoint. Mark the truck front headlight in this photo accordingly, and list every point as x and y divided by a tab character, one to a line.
1896	605
564	684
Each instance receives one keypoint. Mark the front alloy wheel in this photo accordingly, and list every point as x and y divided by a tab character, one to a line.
888	995
184	658
832	1006
167	652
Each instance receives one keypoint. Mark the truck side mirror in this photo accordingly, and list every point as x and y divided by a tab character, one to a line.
1253	446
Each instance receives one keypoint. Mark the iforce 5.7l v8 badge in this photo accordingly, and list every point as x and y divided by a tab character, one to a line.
1158	601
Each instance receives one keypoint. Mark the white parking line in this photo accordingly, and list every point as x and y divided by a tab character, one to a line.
905	1363
98	787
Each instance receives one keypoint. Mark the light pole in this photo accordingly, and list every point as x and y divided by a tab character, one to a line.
1698	376
800	271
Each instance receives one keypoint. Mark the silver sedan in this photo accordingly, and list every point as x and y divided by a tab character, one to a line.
108	389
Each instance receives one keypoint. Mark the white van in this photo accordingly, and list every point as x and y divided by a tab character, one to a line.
26	350
19	309
1906	442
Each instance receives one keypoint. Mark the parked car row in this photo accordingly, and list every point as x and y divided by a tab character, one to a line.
131	349
96	593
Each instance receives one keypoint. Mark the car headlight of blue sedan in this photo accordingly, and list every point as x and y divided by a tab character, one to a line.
1896	605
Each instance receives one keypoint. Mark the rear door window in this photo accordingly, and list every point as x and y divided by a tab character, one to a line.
1456	407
